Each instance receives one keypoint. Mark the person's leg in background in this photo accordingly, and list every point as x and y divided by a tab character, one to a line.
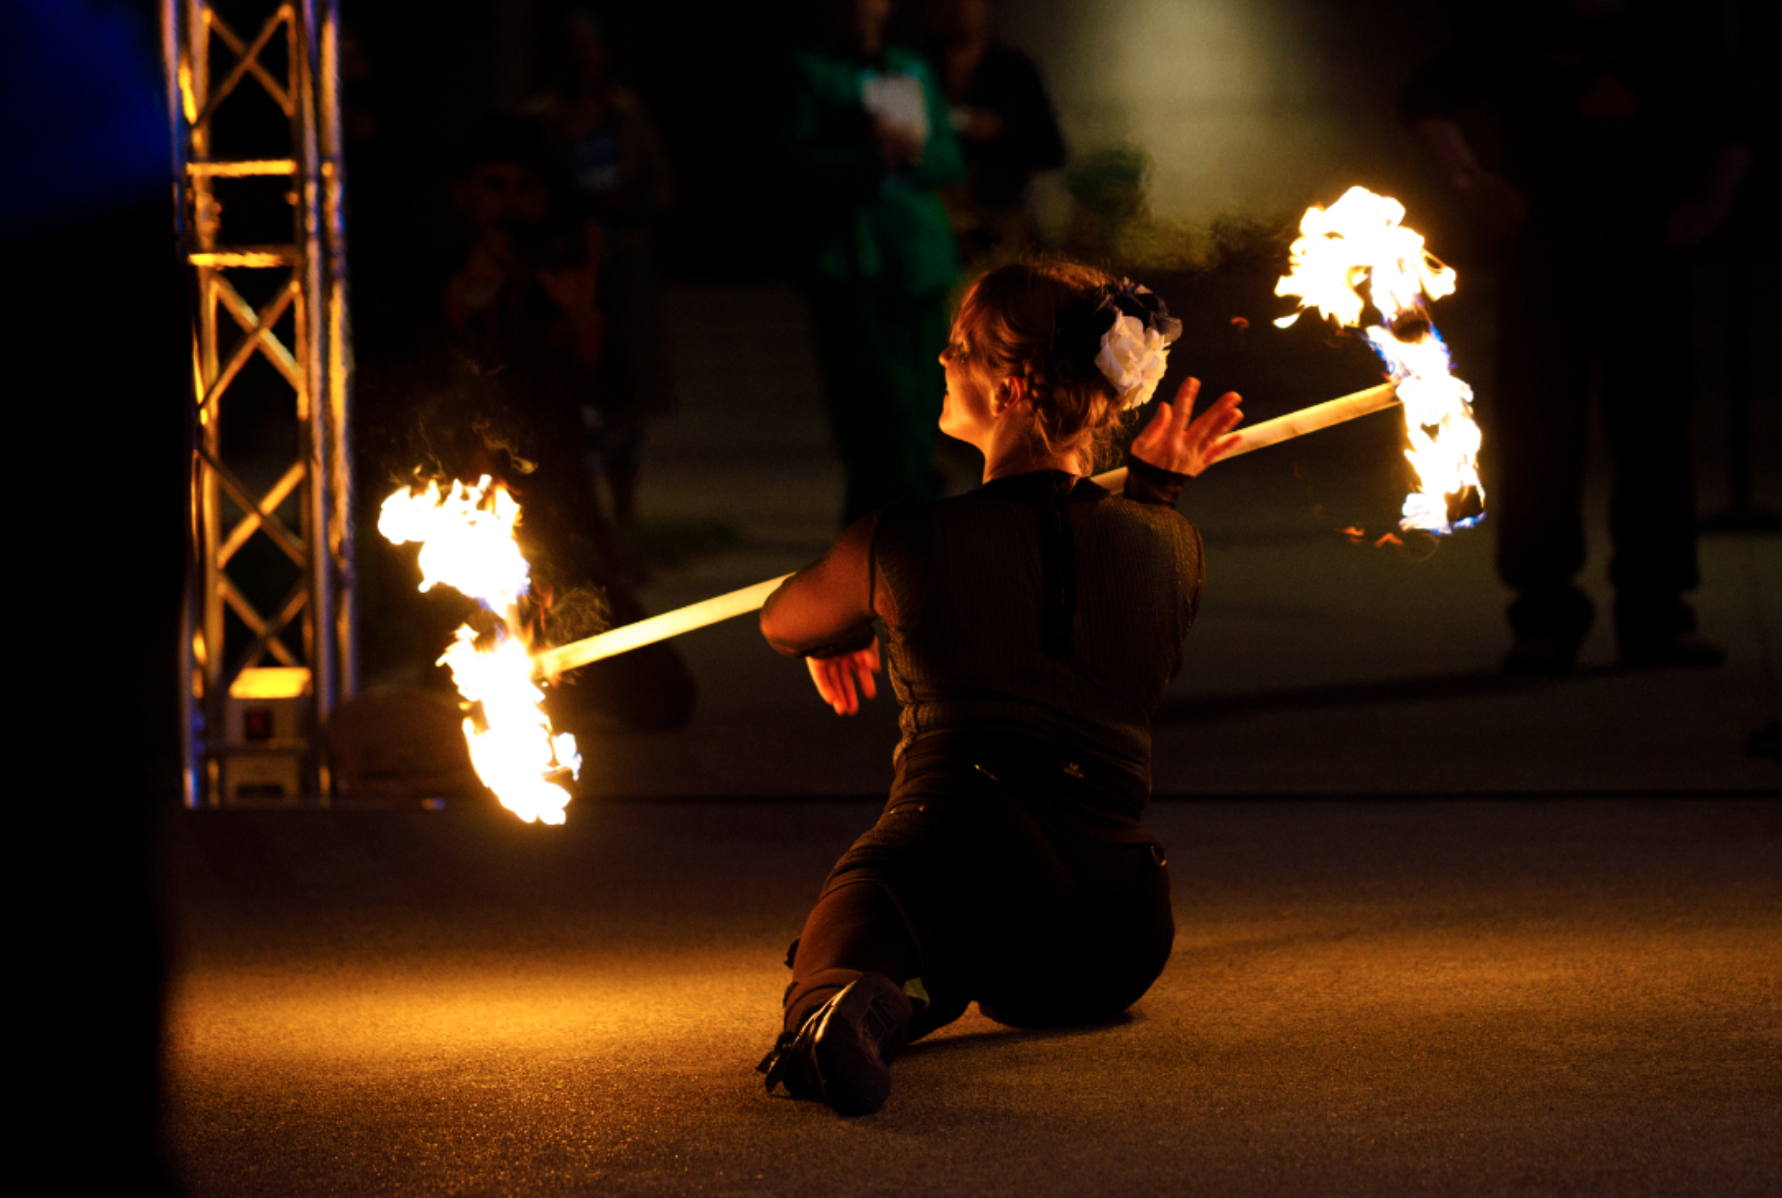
861	388
1540	425
1647	399
918	327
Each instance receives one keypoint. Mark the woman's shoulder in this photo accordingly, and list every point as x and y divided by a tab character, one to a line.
1126	508
994	510
915	531
1133	524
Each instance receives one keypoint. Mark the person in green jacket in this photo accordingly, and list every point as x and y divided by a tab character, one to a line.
868	141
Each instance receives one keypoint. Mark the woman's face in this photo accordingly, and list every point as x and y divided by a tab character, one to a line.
966	413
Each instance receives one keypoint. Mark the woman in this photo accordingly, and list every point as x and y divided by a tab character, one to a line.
1032	625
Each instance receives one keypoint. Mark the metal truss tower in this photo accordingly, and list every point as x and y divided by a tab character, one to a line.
268	636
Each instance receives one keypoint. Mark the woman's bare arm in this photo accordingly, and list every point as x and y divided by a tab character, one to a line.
826	608
824	614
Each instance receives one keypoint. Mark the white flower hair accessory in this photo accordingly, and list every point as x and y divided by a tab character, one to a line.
1134	331
1132	358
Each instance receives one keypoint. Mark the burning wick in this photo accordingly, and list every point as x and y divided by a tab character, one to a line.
467	543
1359	241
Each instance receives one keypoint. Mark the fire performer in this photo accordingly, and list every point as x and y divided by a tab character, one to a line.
1031	627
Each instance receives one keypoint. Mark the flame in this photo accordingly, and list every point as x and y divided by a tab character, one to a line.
467	543
1359	241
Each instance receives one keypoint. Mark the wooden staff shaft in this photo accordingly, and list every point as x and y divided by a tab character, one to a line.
736	603
1293	424
656	628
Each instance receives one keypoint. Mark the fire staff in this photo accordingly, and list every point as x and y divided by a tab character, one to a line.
1031	626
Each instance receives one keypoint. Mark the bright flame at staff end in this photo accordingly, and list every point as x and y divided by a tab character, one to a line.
467	543
1359	241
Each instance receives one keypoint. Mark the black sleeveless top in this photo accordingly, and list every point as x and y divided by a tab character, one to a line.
1042	611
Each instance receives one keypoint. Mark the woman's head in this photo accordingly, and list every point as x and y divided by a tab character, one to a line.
1038	323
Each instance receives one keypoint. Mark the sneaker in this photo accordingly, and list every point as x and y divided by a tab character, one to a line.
842	1055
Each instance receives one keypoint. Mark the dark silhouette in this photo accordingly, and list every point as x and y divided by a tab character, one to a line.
1624	142
620	173
501	393
1006	127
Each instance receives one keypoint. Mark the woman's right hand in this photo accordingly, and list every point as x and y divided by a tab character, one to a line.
835	677
1173	442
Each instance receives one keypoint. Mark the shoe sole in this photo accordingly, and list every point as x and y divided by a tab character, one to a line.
850	1068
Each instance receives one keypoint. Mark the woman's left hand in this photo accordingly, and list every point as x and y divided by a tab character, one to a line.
835	677
1173	442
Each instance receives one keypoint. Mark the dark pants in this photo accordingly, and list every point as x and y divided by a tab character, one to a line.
1621	313
960	885
878	350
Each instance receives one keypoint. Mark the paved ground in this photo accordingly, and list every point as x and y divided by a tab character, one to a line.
1454	990
1453	997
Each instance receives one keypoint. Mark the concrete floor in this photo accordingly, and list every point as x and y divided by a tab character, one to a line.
1443	997
1393	975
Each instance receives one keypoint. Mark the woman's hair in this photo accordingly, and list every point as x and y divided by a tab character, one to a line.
1021	321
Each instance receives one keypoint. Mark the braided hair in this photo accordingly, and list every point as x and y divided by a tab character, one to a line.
1042	322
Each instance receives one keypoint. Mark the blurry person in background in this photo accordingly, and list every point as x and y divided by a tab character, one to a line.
392	213
523	294
622	179
1006	126
1624	138
520	306
868	140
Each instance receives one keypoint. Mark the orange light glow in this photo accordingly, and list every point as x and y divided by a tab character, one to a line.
1358	244
467	543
